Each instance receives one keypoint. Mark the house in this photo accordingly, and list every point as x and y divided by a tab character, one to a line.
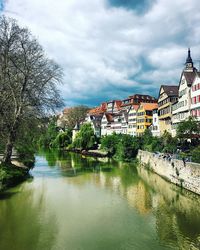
168	95
95	121
154	128
132	120
195	97
145	116
98	110
136	100
106	120
113	106
182	108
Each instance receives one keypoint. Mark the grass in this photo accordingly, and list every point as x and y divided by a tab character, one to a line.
11	175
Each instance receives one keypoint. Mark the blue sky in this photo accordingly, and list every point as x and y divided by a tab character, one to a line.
1	5
110	49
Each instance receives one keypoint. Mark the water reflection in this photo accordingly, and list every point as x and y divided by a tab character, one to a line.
76	202
176	211
23	227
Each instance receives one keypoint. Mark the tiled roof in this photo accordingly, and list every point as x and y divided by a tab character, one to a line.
135	107
149	106
109	117
97	110
140	96
118	104
170	90
189	76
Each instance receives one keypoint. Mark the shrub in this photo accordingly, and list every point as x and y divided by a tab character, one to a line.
127	148
109	143
62	140
85	138
196	154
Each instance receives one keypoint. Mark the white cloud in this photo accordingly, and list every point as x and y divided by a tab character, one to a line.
99	47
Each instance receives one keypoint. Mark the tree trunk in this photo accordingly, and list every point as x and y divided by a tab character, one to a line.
9	148
10	143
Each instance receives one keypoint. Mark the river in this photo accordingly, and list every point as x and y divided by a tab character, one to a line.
77	203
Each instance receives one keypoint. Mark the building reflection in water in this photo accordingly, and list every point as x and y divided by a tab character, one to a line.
176	212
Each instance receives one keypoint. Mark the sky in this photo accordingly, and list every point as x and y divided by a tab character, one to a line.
110	49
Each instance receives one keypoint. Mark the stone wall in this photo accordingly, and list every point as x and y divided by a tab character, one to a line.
185	175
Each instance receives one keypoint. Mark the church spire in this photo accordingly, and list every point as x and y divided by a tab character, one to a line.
189	62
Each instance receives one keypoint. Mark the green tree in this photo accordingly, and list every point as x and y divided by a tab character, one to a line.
127	148
63	139
109	143
28	80
85	138
49	134
169	143
188	129
196	154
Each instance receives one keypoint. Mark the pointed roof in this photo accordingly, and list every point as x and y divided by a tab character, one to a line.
189	77
149	106
189	58
170	90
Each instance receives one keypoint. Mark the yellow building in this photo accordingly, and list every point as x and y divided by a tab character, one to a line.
145	116
167	96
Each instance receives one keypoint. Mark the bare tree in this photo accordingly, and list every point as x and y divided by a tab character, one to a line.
72	115
28	81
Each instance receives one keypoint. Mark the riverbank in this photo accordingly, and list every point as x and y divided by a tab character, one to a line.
183	174
93	153
12	175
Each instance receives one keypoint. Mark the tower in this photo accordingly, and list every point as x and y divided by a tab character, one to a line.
189	63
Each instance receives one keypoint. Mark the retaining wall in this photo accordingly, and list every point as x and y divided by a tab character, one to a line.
185	175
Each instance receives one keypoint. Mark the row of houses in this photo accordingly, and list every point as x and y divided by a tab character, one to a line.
140	112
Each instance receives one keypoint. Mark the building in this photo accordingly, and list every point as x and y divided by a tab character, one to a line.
132	120
98	110
106	124
95	121
182	108
145	116
136	100
195	97
154	128
113	106
168	95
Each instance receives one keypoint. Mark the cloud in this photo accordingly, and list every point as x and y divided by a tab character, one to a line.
110	49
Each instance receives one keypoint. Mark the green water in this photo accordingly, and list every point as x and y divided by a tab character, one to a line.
77	203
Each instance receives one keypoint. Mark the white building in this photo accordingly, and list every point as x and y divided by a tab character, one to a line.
155	129
181	110
106	124
95	121
195	97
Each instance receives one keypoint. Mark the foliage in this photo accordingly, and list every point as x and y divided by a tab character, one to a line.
11	175
62	140
85	138
169	143
49	134
109	143
196	154
28	82
127	148
123	147
188	128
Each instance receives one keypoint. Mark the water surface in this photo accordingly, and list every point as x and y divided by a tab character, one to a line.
78	203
